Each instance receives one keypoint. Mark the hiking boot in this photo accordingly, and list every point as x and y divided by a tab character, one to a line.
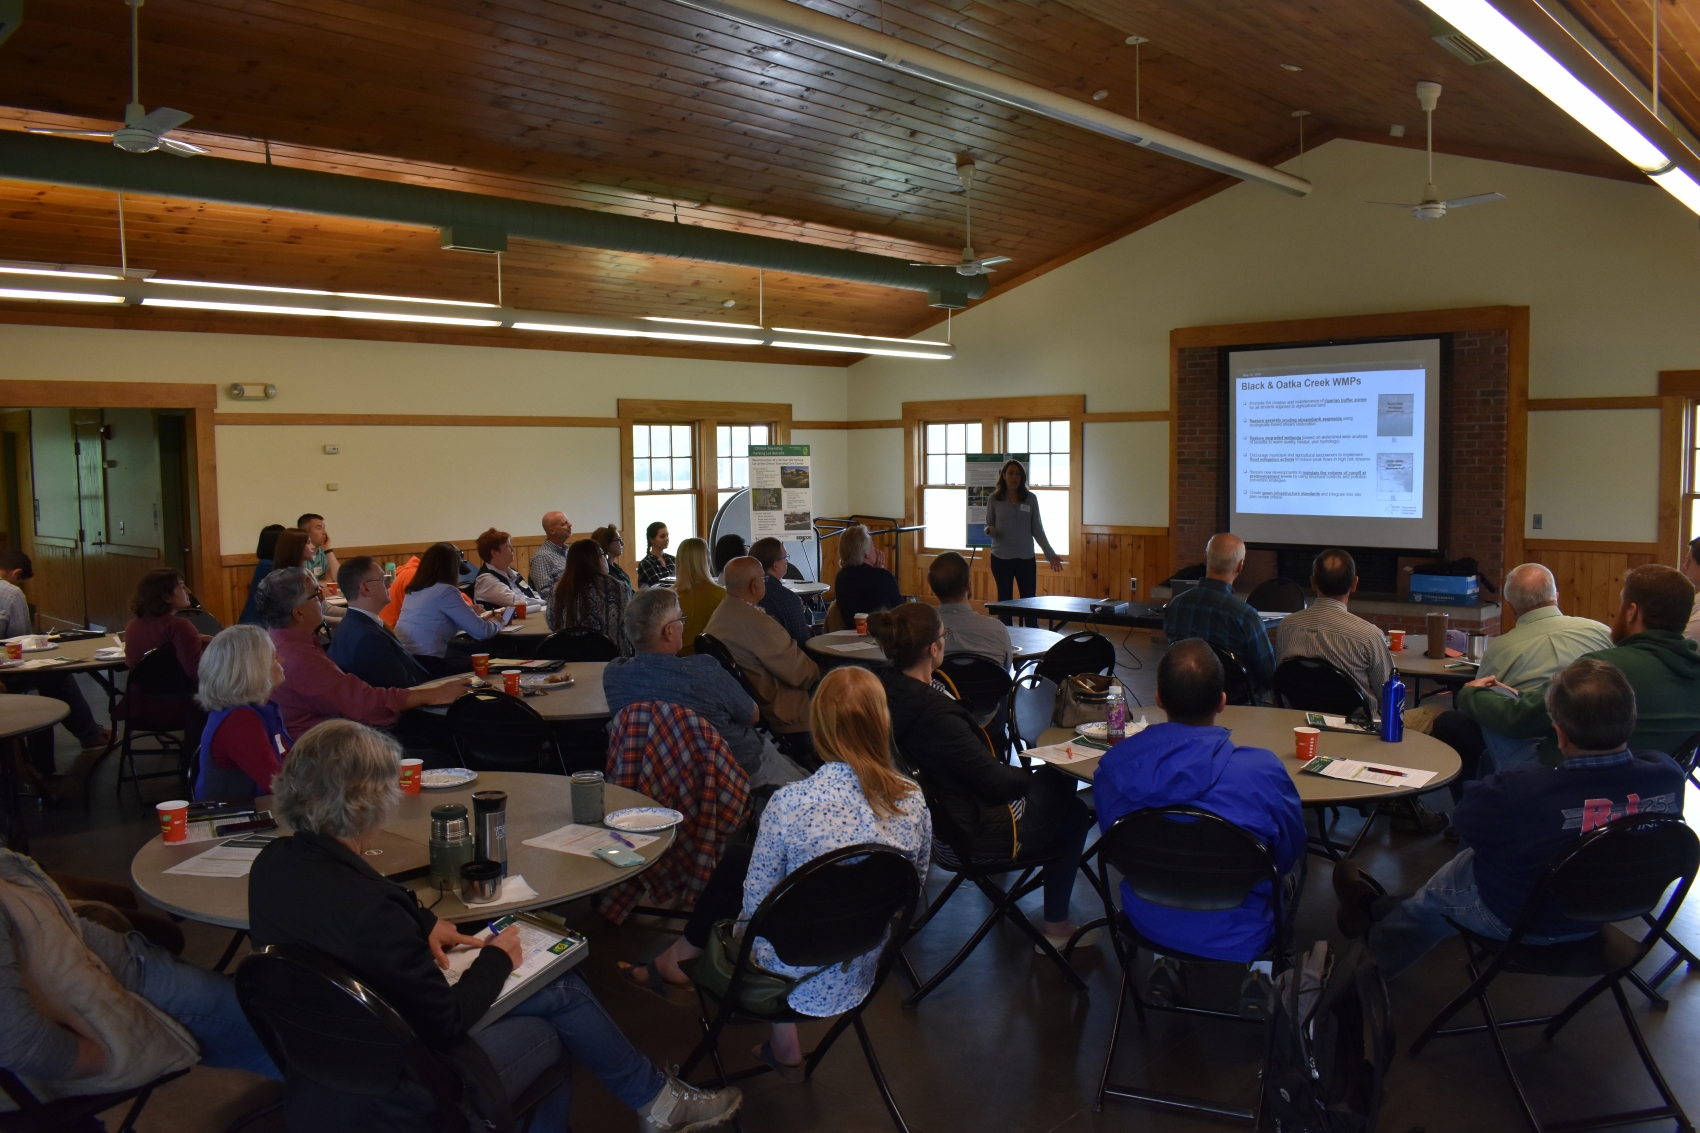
1256	994
1410	816
1166	985
1357	892
682	1108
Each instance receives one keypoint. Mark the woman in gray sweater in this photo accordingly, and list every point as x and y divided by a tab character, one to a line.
1014	523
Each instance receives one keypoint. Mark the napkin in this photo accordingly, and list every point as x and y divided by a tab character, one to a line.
513	889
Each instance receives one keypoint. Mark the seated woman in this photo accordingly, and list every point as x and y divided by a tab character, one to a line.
587	596
159	595
295	549
264	552
657	565
497	583
855	797
1006	812
863	585
315	890
727	548
433	610
244	741
698	595
608	538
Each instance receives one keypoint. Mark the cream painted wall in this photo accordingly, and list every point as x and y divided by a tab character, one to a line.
1610	271
1578	460
874	471
828	450
1126	474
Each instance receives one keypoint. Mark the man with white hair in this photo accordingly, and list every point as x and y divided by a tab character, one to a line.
862	585
775	665
656	626
1544	640
1211	610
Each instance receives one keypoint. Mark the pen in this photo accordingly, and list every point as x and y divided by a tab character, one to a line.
614	834
1384	771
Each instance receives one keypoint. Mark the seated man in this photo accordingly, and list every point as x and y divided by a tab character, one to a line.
775	665
15	621
862	585
322	563
549	561
1661	665
1191	761
964	630
1331	632
1524	658
655	671
786	607
314	688
120	1041
1514	823
1211	610
364	646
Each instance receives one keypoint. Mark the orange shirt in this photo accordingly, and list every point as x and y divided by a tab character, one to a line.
398	591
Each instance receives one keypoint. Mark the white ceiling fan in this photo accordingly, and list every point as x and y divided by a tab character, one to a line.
969	264
1432	207
142	132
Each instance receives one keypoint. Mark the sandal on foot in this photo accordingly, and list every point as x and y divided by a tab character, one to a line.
654	982
787	1071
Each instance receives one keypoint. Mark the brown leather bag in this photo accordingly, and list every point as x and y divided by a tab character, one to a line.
1081	699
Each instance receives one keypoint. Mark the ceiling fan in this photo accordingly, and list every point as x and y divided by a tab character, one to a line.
142	132
969	264
1431	206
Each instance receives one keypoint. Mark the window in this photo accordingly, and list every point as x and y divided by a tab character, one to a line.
664	482
1690	512
732	456
944	499
1046	443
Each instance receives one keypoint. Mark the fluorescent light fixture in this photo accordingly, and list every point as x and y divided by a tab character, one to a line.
792	338
1680	185
635	328
328	312
59	296
60	271
1505	41
310	291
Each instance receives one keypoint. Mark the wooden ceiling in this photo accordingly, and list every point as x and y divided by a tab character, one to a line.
645	107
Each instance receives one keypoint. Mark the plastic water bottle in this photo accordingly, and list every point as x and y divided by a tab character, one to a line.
1393	709
1115	715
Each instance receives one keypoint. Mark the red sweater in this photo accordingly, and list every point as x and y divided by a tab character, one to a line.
143	634
242	742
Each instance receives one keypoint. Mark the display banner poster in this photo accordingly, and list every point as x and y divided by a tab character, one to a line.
781	504
980	473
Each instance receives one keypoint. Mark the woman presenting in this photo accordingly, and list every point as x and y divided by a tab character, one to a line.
1014	523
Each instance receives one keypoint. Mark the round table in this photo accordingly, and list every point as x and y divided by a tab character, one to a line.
518	639
537	804
1272	728
78	657
21	715
1417	666
581	700
848	645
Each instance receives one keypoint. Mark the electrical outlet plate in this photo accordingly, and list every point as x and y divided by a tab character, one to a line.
1537	524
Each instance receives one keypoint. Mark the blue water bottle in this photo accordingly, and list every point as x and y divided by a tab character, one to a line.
1393	709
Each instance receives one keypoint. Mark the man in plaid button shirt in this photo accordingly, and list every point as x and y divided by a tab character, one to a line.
1212	611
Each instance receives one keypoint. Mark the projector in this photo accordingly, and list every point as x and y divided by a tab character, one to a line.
1109	607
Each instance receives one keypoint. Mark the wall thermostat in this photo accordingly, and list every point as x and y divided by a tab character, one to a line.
332	450
251	392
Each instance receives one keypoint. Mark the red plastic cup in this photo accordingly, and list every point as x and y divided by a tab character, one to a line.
173	821
481	664
862	624
1396	640
510	681
1304	743
14	650
411	770
332	589
519	612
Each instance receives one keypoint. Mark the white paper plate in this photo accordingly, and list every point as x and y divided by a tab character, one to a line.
448	777
1095	729
643	819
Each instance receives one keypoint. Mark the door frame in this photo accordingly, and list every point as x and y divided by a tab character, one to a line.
200	401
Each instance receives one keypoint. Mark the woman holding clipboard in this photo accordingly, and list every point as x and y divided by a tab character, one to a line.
1014	524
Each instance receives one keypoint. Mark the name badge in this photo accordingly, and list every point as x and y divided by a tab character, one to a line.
1026	507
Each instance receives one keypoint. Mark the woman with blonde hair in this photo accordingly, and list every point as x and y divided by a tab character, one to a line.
699	595
856	797
244	742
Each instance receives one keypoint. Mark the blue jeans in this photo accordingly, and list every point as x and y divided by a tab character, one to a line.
1420	921
520	1049
203	1002
1501	753
590	1037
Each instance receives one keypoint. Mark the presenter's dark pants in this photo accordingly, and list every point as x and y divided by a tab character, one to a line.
1009	573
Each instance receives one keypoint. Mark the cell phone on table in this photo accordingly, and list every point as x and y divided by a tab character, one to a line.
618	855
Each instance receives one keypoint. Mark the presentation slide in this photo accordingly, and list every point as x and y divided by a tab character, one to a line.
1336	444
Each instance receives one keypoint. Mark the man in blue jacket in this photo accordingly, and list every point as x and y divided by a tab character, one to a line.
363	644
1190	761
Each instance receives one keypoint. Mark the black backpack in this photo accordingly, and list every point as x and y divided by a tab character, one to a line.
1330	1044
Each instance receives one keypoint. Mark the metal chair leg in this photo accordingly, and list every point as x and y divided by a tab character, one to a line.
1115	1036
879	1075
1569	1013
1640	1042
236	940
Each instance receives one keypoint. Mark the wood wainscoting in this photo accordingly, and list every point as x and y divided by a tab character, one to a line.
1590	574
1099	568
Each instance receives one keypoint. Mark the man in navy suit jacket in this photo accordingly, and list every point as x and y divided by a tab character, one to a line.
363	644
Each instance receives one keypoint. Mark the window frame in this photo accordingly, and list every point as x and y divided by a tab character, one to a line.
1689	494
921	488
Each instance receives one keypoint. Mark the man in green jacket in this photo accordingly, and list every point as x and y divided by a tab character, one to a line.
1663	667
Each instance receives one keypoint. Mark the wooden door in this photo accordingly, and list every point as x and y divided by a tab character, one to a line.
119	492
55	545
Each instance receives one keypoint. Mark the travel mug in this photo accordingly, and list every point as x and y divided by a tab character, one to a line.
1438	624
451	841
490	827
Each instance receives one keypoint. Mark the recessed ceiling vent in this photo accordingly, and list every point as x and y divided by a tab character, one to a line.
1456	41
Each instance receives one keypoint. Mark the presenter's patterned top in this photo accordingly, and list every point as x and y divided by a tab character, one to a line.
1018	525
826	812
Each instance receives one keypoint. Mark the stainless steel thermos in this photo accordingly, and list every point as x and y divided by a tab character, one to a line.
451	841
490	827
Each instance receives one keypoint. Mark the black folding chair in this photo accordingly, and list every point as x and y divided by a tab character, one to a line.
952	853
1277	596
983	686
842	905
1686	756
36	1116
576	643
202	621
714	647
158	703
1618	872
1083	652
1311	684
1181	857
497	732
1236	681
1032	700
324	1027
